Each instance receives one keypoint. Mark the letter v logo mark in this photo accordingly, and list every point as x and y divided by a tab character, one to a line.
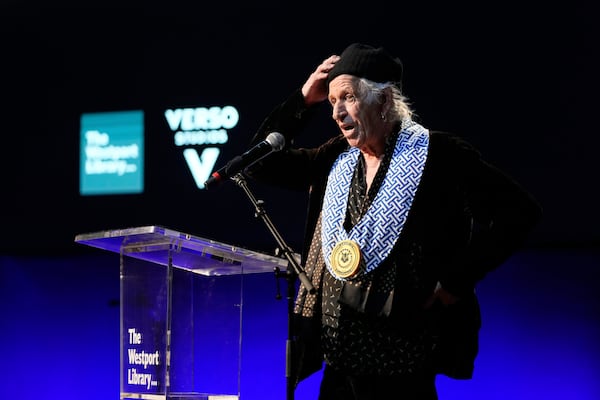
202	166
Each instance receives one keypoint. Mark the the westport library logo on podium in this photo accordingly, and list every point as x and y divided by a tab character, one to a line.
111	155
141	365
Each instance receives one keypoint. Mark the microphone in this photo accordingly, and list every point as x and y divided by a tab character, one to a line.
274	142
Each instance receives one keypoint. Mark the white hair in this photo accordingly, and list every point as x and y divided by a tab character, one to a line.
372	92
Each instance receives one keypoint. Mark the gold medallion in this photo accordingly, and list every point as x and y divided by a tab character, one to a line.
345	258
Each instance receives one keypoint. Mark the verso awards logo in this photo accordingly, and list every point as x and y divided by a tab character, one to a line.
199	131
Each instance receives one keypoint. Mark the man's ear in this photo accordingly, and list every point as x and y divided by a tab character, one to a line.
385	100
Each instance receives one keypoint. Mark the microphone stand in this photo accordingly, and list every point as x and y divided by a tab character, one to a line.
290	274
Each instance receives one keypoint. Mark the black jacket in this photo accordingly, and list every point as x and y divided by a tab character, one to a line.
467	218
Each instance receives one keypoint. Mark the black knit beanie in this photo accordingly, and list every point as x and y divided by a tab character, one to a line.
368	62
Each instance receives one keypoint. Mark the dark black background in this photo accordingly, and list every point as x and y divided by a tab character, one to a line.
519	81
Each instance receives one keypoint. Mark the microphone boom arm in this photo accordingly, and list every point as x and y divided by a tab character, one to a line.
285	249
296	270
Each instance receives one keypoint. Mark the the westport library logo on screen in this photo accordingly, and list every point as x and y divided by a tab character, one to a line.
112	153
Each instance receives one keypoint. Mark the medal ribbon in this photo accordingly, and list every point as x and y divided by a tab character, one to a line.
378	230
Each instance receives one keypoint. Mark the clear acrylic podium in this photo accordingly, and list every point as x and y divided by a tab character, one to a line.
180	311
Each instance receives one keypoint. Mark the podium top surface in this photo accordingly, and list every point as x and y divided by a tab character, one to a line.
161	245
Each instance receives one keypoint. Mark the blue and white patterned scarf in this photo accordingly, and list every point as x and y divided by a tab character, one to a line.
378	230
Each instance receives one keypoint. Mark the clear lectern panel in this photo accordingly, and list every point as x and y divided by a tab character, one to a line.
181	310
